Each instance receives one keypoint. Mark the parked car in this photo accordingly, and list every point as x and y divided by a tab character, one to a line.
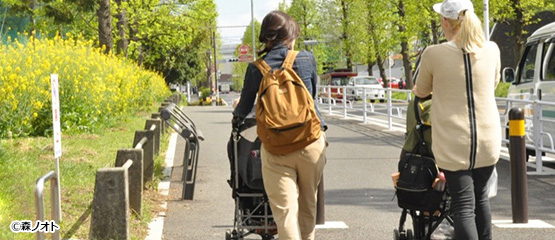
374	90
394	83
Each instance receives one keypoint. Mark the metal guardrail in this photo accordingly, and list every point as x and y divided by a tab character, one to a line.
55	202
535	120
539	137
184	126
348	100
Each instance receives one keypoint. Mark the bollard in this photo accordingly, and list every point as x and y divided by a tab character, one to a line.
320	209
110	211
517	151
148	153
135	177
157	132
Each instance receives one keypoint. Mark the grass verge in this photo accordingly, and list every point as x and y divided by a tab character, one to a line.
23	160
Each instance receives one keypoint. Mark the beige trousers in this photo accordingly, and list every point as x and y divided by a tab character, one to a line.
291	182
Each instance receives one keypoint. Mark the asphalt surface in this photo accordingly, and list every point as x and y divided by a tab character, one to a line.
358	187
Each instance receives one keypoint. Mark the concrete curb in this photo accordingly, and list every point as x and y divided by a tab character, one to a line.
156	226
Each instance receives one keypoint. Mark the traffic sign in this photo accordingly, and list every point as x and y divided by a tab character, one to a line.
56	116
244	49
245	58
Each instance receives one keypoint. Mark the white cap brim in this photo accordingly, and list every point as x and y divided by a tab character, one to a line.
437	8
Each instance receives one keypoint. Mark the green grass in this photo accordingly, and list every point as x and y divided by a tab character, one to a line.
24	160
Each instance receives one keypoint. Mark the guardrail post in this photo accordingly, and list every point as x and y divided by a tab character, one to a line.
344	102
135	177
389	112
110	211
148	153
364	106
517	151
157	132
538	138
329	100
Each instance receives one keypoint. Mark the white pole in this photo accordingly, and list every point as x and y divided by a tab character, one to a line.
253	38
486	19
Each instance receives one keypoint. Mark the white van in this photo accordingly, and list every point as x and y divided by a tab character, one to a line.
534	79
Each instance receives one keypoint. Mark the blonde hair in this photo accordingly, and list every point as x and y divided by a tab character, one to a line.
471	36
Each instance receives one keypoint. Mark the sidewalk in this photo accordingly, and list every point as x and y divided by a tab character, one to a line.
358	189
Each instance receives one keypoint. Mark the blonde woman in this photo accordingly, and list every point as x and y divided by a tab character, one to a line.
463	74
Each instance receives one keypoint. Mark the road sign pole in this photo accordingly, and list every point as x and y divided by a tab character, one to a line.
57	136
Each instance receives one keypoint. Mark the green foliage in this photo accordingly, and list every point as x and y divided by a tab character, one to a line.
502	89
95	90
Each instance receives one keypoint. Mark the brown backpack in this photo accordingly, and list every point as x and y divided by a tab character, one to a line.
285	114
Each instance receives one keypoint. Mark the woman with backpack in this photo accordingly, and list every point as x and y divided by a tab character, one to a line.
291	169
462	74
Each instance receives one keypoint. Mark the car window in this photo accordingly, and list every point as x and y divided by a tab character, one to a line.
528	66
550	66
366	81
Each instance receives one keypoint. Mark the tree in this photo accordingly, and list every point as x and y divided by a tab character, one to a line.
518	14
104	25
240	68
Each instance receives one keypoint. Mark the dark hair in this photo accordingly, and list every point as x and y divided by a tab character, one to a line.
277	27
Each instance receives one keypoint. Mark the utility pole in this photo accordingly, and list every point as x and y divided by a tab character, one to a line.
253	38
486	19
215	66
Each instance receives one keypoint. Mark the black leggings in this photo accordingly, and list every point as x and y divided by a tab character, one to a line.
470	203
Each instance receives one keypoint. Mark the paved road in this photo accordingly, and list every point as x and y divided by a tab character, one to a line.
358	189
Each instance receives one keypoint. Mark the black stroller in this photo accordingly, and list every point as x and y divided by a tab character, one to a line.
252	209
427	206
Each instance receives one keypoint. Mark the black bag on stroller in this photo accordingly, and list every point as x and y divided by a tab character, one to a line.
252	210
417	168
420	193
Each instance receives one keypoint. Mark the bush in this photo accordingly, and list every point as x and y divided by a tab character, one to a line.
502	89
95	89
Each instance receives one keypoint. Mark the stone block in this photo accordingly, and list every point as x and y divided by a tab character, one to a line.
110	208
148	153
135	177
157	132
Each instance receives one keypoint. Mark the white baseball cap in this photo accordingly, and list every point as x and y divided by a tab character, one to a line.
451	8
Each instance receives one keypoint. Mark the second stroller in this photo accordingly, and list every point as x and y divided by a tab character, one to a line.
420	186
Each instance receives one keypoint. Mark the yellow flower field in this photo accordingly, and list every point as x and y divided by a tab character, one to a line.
95	89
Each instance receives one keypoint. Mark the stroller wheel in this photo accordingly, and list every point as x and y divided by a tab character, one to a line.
409	234
228	235
396	234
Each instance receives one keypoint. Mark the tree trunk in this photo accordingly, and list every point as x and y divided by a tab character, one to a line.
122	42
32	19
105	25
381	67
404	46
345	35
518	29
435	32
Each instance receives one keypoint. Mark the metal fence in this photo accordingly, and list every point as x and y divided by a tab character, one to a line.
342	101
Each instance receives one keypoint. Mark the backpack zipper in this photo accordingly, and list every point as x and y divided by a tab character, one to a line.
278	130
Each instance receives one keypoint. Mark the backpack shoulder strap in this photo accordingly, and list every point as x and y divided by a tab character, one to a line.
262	66
290	59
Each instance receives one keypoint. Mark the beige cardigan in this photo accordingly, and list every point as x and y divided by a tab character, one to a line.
466	133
